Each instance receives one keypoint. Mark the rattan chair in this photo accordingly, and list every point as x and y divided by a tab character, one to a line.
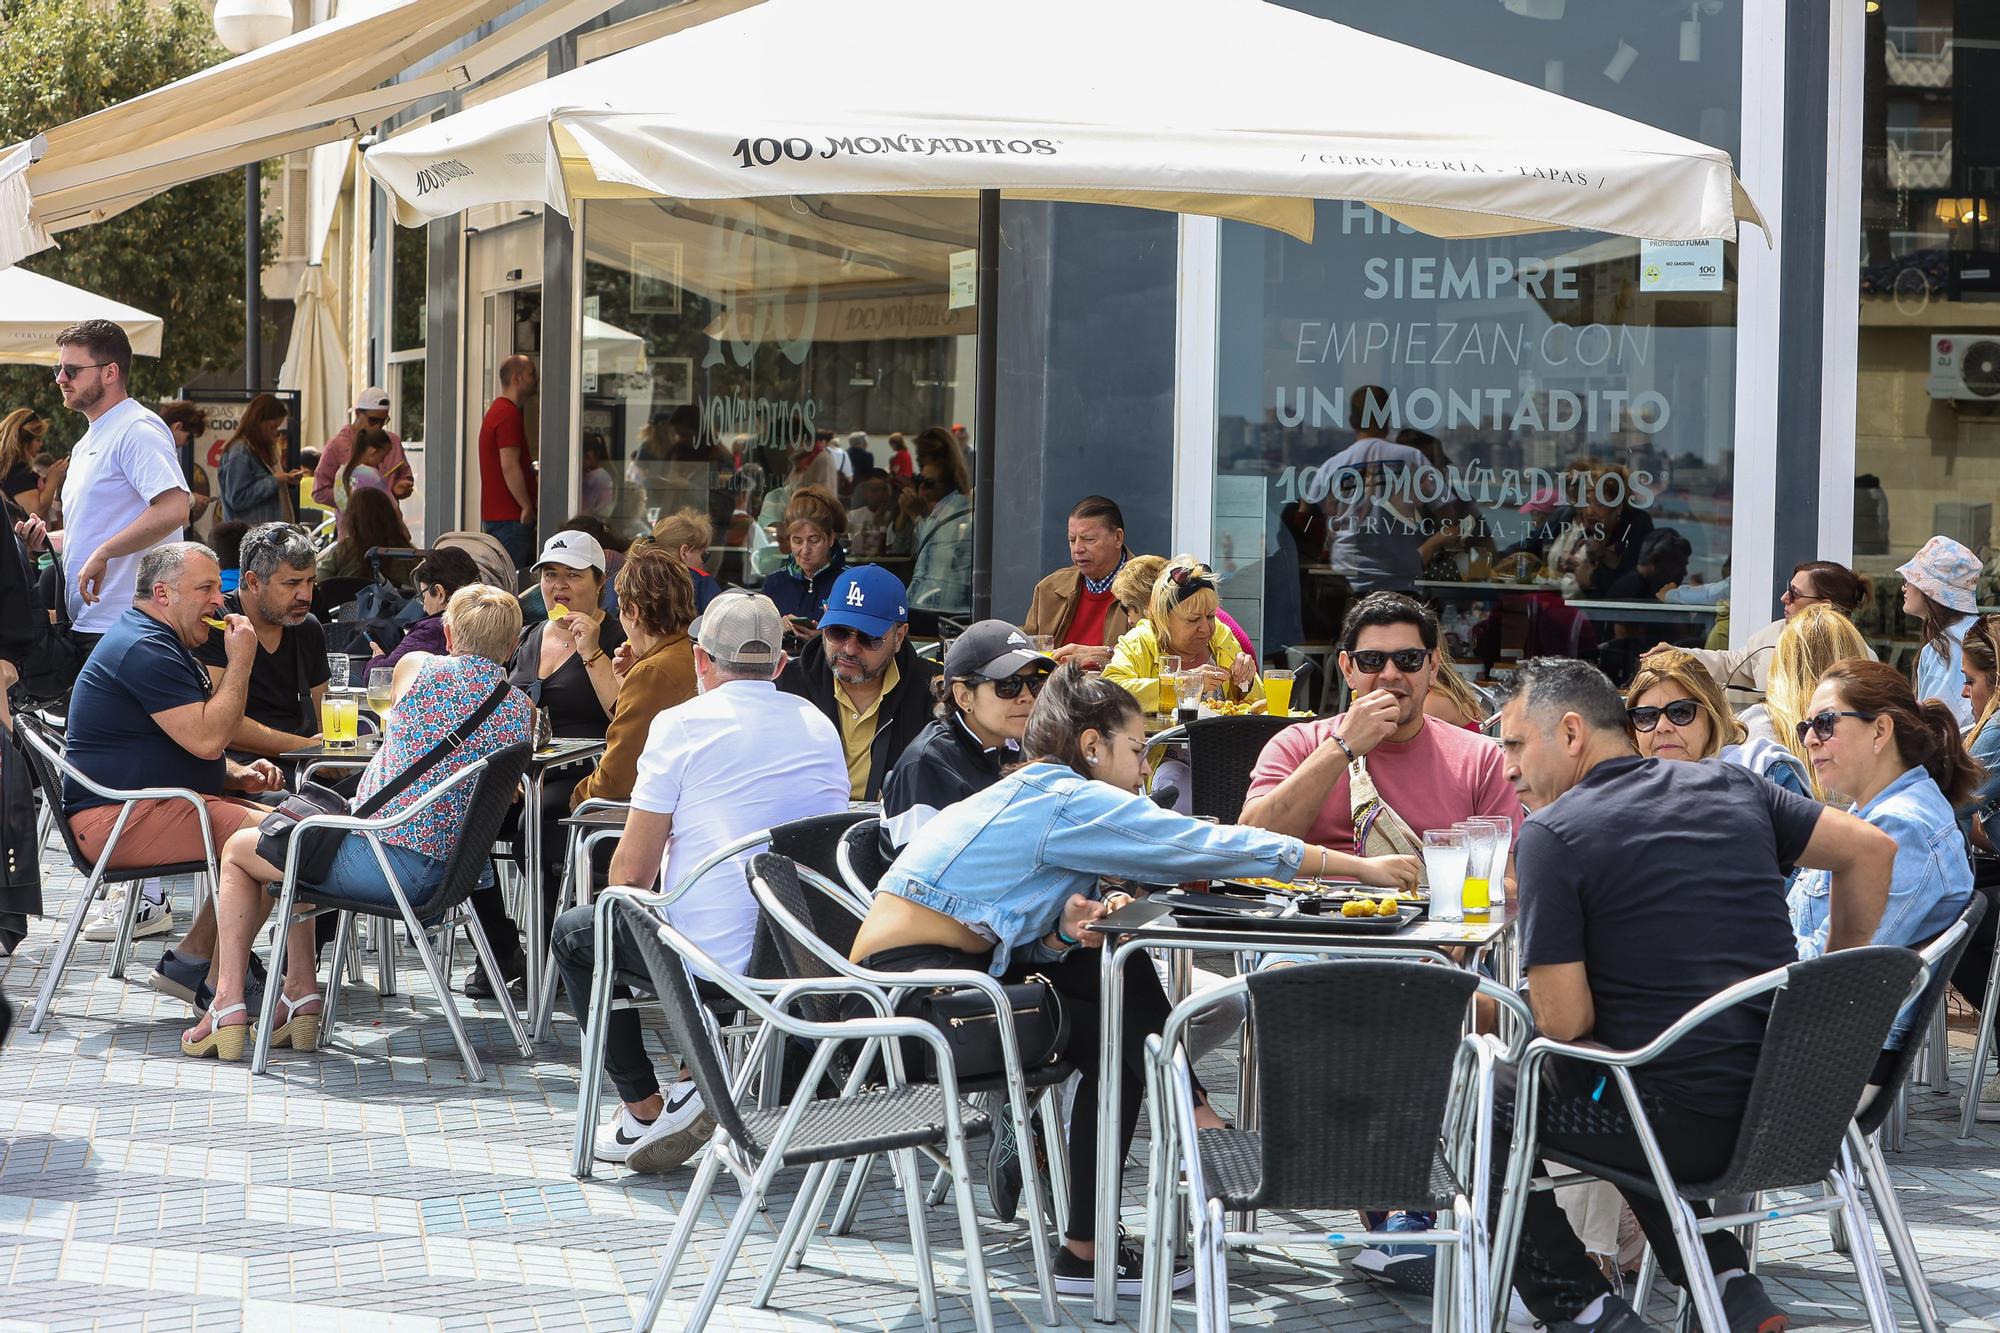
494	779
45	753
812	1131
860	858
1352	1056
794	899
1829	1019
1222	753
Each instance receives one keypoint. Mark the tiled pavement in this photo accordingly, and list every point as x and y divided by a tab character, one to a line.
368	1186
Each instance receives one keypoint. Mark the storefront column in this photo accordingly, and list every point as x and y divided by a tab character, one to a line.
1196	339
1761	166
445	367
562	323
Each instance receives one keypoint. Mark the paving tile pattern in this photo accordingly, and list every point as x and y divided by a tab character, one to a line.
370	1186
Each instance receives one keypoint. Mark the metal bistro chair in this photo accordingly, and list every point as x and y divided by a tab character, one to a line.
494	777
860	858
1341	1124
1982	1050
575	886
1829	1018
795	901
45	753
1223	752
812	1131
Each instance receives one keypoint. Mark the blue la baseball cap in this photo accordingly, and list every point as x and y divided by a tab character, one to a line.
868	598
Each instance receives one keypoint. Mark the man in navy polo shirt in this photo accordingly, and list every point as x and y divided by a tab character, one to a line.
861	671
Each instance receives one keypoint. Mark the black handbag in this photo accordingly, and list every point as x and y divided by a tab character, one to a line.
965	1016
319	846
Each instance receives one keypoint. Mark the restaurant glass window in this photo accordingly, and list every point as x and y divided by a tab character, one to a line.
409	309
723	341
1927	423
1545	438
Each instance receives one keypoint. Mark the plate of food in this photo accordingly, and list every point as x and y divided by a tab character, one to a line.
1383	915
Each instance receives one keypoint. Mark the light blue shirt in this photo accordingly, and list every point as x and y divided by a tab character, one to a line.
1941	676
941	574
1004	861
1929	887
1985	803
1697	594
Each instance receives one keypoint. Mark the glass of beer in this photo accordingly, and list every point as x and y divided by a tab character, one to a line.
381	691
1164	696
1278	693
339	721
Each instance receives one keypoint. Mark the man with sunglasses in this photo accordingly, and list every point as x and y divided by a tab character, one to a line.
861	671
1430	773
124	493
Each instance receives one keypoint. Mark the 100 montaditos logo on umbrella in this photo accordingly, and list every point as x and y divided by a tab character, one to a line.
764	152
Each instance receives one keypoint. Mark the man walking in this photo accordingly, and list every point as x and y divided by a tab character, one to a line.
124	493
371	409
506	474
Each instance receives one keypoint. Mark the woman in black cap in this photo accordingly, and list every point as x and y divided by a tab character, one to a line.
992	676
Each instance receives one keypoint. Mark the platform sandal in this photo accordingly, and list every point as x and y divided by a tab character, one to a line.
224	1043
301	1030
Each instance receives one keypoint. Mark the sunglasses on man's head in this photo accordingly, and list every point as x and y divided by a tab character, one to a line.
1011	686
1822	724
839	634
1680	712
1408	660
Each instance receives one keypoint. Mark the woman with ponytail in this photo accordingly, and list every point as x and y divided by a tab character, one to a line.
1009	880
1746	671
1903	767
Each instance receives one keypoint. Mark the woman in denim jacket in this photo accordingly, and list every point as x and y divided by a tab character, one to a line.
1007	881
1903	766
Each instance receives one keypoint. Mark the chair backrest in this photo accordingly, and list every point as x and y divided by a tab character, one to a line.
1354	1069
1828	1023
1223	752
492	797
1942	956
863	860
41	742
813	843
694	1034
779	876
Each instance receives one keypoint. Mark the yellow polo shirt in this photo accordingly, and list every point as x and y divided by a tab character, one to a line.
857	730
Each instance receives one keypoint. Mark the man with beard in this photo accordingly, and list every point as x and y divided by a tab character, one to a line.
124	492
861	671
1429	773
289	678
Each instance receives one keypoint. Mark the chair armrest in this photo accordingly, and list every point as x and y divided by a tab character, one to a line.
596	803
359	824
711	861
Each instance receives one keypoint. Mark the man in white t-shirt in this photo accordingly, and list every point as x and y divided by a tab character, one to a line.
124	493
738	759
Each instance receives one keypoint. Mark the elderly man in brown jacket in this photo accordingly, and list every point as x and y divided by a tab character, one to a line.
1075	606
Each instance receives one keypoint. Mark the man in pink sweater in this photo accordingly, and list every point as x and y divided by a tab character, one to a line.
371	408
1429	772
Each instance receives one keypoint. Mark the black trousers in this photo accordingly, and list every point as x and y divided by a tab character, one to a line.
1554	1274
1078	980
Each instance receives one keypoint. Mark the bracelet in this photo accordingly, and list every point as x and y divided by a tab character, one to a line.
1345	749
589	662
1067	941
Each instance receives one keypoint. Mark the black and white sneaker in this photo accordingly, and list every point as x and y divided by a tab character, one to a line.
1078	1277
1003	1159
683	1127
616	1140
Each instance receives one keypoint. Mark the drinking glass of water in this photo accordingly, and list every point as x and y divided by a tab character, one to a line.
336	667
1445	856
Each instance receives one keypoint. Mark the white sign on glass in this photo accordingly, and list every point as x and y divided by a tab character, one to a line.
964	279
1680	266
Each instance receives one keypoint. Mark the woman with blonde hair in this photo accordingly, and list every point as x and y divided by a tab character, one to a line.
20	441
1181	622
686	535
1814	638
1675	710
1132	589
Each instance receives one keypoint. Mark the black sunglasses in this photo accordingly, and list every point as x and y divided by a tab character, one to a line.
1792	594
838	634
1822	724
1011	687
1680	712
1408	660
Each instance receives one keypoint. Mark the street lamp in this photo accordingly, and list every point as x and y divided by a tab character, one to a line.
243	26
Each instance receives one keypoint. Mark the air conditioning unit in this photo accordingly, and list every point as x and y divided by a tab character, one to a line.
1965	367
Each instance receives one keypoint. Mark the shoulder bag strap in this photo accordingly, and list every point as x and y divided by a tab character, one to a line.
452	740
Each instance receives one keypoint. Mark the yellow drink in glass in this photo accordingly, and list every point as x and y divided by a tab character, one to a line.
339	720
1478	894
1278	693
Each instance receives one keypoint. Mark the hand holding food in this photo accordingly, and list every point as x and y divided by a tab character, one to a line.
239	641
1390	872
1370	720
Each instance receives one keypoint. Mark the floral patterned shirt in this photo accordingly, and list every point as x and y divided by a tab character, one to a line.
444	694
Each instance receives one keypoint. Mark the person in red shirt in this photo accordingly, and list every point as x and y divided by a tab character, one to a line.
1076	606
506	475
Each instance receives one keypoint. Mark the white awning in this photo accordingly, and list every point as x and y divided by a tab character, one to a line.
320	85
34	309
1236	108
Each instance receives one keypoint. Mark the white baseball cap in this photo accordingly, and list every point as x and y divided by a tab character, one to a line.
372	400
578	550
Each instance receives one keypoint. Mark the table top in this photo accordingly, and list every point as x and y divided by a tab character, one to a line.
562	750
1152	920
598	819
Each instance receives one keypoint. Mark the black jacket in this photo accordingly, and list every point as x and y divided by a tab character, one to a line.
905	710
942	767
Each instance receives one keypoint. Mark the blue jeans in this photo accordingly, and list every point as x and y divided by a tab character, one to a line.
516	536
356	875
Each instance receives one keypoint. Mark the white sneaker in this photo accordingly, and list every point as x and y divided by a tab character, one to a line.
1519	1320
681	1131
1989	1102
153	919
616	1140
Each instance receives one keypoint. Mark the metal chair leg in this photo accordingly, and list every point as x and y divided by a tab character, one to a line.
1057	1144
72	928
343	944
274	985
920	1245
590	1075
850	1202
697	1197
1982	1049
121	951
977	1289
1902	1245
1861	1244
797	1229
1642	1286
441	983
816	1198
484	948
939	1184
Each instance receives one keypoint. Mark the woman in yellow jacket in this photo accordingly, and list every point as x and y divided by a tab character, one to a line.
1180	621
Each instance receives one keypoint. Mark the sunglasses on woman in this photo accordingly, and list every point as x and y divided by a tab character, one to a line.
1011	687
1408	660
1822	724
839	634
1680	712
